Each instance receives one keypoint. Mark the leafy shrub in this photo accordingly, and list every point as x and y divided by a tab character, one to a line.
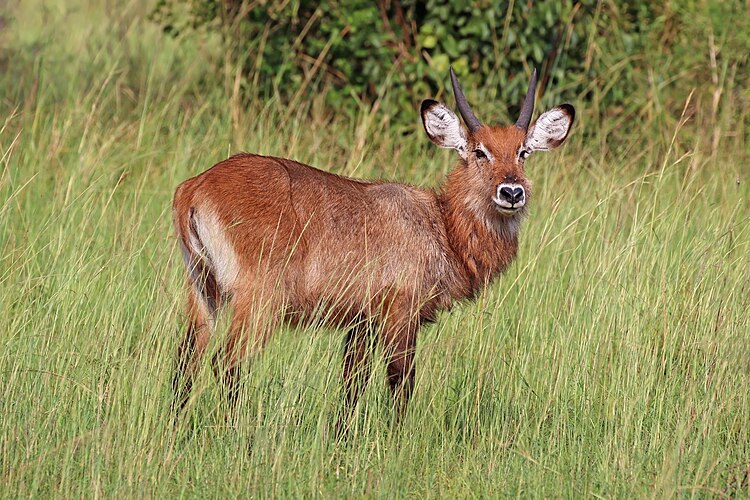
611	53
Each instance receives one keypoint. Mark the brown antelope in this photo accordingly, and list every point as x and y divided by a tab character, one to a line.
278	241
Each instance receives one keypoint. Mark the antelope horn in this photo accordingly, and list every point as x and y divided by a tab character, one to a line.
527	108
463	106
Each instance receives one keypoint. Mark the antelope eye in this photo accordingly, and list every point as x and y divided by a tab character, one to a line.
480	154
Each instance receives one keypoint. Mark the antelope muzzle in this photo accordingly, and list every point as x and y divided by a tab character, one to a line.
509	198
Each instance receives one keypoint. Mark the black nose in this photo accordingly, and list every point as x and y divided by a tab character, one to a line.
513	195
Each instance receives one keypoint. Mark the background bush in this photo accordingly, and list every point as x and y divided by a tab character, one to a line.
363	52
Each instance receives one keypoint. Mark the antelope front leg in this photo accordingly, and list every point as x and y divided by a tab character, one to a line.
357	350
400	345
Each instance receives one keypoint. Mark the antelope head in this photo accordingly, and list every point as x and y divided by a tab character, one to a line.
493	156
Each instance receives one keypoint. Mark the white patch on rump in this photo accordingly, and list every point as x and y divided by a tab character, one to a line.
216	247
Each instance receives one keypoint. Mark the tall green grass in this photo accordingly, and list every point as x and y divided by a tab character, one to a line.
612	359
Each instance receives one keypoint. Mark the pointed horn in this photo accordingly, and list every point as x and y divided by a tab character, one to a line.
463	106
527	108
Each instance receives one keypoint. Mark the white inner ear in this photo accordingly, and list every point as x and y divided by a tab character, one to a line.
549	131
444	128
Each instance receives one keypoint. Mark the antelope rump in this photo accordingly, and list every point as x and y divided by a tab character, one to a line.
275	241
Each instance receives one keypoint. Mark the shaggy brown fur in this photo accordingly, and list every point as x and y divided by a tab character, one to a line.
276	240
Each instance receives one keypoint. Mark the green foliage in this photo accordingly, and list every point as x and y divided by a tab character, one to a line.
359	46
362	51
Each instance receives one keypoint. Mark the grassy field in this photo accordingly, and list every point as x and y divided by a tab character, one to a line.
612	359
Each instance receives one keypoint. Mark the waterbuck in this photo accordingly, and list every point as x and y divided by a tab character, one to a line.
278	241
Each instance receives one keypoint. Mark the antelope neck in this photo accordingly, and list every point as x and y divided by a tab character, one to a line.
483	242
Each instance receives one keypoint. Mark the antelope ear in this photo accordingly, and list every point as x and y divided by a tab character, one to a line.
550	129
443	127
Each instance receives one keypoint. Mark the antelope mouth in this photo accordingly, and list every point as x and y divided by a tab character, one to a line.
506	208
